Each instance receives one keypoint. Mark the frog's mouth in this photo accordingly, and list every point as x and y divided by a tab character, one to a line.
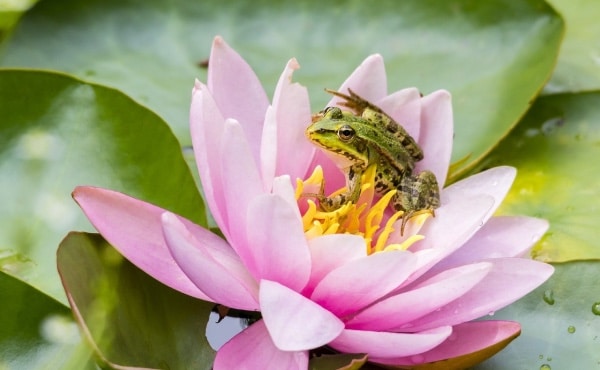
341	157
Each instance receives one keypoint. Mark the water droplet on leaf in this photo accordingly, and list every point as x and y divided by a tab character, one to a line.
596	308
551	125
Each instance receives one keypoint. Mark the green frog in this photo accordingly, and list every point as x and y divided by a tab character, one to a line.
366	136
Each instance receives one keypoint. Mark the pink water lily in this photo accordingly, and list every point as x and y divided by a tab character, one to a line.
409	302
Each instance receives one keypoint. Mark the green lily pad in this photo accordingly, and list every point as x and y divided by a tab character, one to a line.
578	67
58	132
555	149
493	56
559	326
339	362
131	319
10	12
42	336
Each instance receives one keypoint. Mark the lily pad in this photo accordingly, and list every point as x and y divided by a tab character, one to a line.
559	323
339	362
10	12
578	67
58	132
131	319
493	56
43	336
555	150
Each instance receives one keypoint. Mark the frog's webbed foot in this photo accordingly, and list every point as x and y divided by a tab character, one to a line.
417	194
410	214
354	102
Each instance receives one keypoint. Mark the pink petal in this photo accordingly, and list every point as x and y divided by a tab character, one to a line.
459	217
495	182
329	252
241	181
253	349
268	149
404	107
360	282
282	186
237	91
207	126
217	272
292	110
420	300
389	345
294	322
134	228
368	80
509	280
466	338
333	176
503	236
277	248
437	132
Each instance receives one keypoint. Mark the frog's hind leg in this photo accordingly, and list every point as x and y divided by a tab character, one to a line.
417	194
355	102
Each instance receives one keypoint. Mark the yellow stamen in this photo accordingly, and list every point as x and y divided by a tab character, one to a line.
363	218
375	214
307	218
405	244
383	237
314	181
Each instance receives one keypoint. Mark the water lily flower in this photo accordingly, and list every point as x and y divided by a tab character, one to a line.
348	279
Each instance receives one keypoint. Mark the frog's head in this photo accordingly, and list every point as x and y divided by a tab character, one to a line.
338	133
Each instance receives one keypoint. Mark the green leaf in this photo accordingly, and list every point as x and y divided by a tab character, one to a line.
578	62
493	56
10	12
42	336
555	150
563	333
338	362
58	132
131	319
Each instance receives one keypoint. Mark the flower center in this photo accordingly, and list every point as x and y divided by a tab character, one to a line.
366	218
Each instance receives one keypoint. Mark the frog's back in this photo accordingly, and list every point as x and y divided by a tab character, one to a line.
387	123
384	147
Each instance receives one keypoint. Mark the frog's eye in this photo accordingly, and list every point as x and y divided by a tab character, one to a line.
333	113
346	133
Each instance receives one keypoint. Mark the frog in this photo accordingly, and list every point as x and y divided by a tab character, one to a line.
363	135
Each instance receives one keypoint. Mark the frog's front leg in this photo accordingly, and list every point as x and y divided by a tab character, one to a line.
329	204
417	193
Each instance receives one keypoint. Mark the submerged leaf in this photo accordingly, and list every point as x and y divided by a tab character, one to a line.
131	319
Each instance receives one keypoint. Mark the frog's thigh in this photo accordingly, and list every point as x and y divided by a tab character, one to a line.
418	192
